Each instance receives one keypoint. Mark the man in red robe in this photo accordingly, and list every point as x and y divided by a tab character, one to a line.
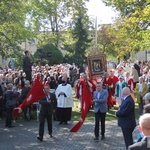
84	83
85	92
107	84
113	80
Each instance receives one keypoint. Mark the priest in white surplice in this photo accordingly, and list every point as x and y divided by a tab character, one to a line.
64	101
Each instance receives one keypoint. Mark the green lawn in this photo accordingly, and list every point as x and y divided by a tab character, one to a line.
90	117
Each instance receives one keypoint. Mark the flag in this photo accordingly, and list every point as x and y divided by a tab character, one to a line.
84	113
86	104
35	94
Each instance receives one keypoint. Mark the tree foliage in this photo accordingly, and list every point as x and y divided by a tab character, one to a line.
132	33
105	38
12	30
80	36
43	57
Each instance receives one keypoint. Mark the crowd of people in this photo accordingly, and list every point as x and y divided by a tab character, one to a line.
122	85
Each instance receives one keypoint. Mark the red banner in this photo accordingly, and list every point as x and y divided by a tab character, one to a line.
36	93
86	104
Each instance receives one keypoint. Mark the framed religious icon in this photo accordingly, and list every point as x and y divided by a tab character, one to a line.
97	65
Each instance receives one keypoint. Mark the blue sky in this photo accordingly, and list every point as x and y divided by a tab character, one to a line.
103	13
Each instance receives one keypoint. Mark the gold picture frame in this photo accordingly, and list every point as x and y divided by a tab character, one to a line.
97	65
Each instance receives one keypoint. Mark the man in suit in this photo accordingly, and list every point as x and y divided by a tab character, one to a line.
48	105
10	96
100	108
145	128
24	93
1	101
126	116
27	66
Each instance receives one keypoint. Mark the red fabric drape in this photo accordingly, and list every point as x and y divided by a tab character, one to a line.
36	93
86	104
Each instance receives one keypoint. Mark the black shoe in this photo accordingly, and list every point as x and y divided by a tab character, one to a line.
40	138
66	123
31	117
103	137
96	139
60	122
11	126
26	119
50	135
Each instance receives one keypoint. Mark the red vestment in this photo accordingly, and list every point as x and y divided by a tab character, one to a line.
113	81
130	82
84	91
107	82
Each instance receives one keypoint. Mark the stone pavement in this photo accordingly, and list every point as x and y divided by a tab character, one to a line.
23	137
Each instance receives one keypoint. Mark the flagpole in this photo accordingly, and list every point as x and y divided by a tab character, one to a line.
96	31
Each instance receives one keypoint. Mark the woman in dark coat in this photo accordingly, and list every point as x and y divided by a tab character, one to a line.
10	104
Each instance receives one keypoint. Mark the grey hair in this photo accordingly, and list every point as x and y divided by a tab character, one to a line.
147	97
145	121
126	91
27	82
9	86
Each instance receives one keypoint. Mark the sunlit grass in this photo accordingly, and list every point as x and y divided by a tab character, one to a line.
90	117
76	113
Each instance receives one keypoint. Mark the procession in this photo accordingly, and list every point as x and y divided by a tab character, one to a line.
75	75
49	91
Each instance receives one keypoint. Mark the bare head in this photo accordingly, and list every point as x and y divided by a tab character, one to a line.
127	74
98	86
147	98
106	74
112	71
125	91
27	53
144	122
146	108
27	83
9	86
47	89
141	79
64	78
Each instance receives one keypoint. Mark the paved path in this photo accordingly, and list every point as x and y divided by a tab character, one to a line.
23	137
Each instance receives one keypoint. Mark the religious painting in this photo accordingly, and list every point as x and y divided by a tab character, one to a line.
97	65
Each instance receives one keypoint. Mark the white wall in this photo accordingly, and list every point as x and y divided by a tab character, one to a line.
142	55
31	47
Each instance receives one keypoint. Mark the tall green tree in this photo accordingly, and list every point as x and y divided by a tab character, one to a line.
50	55
12	29
51	18
48	19
82	40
